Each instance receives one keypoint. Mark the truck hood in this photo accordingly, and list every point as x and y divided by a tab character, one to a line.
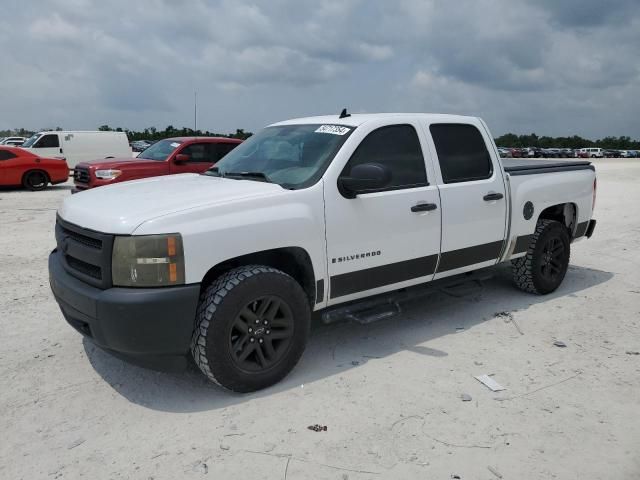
117	162
122	207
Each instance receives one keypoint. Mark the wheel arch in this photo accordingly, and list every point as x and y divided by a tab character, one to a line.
294	261
565	213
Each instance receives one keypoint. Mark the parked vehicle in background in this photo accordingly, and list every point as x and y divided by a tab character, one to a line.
166	157
594	152
504	152
517	152
582	153
79	146
567	153
534	152
139	145
13	141
610	153
228	266
551	152
21	167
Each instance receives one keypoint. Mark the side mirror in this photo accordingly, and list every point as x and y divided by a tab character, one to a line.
363	178
181	158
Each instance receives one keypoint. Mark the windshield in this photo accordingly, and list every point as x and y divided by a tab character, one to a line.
160	150
293	156
31	140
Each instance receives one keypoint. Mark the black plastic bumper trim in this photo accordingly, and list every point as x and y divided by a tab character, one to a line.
135	323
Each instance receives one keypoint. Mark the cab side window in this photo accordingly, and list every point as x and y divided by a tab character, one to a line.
462	153
48	141
200	152
224	148
398	148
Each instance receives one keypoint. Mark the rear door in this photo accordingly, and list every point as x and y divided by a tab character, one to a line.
472	194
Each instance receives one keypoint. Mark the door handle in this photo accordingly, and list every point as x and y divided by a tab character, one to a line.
60	149
492	196
424	207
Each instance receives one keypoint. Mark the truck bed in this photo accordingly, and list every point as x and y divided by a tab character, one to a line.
523	166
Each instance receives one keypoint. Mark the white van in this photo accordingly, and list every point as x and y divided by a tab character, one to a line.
77	147
592	152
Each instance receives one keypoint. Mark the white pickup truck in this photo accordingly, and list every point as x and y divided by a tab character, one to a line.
307	215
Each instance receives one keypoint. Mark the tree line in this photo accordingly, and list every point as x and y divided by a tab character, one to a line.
506	140
533	140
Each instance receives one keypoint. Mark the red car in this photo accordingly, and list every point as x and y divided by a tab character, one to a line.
21	167
165	157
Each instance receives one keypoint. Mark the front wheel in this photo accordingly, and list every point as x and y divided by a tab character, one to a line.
252	325
545	264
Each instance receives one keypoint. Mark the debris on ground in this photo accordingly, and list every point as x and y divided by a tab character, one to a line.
317	428
224	446
465	397
508	318
478	363
560	344
77	443
455	477
489	382
632	352
494	471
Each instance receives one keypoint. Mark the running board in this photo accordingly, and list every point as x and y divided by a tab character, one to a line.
389	305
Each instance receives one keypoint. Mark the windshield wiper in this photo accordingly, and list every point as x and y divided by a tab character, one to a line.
248	175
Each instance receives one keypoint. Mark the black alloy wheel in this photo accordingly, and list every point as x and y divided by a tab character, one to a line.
36	180
261	334
552	261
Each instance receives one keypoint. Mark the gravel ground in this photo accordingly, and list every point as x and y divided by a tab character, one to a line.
389	393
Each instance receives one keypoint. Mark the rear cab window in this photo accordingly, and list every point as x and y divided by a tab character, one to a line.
462	152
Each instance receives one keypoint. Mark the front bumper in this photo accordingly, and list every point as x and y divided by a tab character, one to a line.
151	327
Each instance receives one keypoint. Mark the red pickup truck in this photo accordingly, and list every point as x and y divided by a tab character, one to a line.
166	157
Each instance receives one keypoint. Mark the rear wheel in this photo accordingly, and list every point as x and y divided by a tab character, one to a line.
545	264
252	326
35	180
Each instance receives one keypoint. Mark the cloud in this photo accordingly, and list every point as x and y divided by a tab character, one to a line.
524	65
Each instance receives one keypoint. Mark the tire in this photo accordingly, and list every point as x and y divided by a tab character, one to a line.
545	264
239	316
35	180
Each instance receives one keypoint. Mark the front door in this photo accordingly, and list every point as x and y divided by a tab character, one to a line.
201	156
385	239
49	145
472	193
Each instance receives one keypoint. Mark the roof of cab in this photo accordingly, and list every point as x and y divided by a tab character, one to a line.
357	119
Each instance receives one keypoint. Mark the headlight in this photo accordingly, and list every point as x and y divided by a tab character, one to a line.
108	174
148	261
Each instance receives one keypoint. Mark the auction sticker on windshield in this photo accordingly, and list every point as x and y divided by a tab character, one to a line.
333	129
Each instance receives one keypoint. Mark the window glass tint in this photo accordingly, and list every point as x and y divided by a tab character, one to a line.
224	148
6	155
462	153
398	148
48	141
200	152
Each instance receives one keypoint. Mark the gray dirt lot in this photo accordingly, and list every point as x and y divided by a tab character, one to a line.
389	392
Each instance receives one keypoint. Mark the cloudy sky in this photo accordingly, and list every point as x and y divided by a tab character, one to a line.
556	67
